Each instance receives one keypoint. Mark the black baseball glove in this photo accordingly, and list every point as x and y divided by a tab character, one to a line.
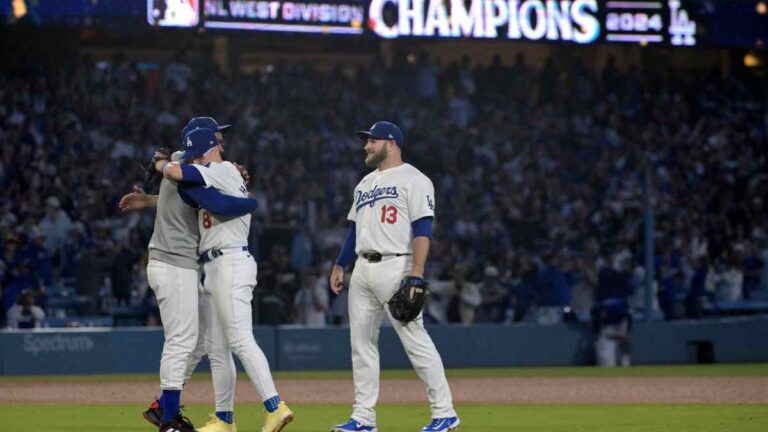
160	154
409	299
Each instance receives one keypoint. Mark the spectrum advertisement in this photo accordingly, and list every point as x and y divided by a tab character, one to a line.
665	22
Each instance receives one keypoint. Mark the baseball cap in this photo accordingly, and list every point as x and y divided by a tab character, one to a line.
203	123
198	142
385	131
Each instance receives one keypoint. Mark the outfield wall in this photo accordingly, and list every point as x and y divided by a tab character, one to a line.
132	350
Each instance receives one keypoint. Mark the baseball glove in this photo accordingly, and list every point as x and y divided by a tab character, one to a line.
243	172
160	154
409	299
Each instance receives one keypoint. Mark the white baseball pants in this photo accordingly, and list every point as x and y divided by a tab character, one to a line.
213	341
176	289
372	285
182	304
230	280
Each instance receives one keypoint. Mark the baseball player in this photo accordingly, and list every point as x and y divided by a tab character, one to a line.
391	218
230	271
174	275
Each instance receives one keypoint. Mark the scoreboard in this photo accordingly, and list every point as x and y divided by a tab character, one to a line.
300	16
683	23
666	22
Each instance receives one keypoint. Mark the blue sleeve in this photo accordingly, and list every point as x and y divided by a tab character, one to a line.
191	175
347	253
216	202
422	227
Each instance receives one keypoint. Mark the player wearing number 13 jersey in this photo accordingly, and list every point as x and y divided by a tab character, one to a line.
385	204
391	216
230	270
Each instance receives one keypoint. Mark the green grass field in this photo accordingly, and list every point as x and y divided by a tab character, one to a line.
394	418
408	418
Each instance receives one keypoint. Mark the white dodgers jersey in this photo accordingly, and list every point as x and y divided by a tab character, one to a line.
218	231
385	204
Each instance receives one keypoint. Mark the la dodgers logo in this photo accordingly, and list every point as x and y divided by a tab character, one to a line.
377	193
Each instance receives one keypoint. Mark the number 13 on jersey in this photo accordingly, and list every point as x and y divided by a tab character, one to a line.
388	214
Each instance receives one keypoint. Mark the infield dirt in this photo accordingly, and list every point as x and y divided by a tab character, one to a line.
512	390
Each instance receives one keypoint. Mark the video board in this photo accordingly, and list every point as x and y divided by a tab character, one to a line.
581	22
301	16
577	21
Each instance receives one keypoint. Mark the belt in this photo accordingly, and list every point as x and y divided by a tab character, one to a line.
212	254
374	257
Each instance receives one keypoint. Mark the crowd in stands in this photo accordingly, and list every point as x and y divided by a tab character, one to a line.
541	178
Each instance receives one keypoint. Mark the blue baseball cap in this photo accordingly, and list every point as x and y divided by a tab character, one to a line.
383	130
202	123
198	142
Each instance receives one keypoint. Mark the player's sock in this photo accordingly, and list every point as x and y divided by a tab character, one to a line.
272	403
170	404
226	416
160	400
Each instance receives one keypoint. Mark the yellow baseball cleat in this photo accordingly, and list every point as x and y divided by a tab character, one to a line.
275	421
215	424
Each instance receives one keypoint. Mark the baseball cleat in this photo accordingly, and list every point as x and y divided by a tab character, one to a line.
275	421
154	414
353	426
216	424
178	424
442	425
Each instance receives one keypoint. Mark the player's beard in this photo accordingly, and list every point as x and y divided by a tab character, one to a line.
374	159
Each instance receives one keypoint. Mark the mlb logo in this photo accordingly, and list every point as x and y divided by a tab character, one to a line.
173	13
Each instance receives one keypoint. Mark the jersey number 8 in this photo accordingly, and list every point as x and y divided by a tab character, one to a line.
388	214
206	219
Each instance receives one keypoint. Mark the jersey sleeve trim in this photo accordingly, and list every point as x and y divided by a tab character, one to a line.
422	227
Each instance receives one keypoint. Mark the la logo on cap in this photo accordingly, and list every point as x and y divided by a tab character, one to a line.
189	142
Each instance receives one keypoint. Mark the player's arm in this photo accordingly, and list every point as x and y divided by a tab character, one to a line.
346	256
179	172
216	202
421	207
137	200
422	233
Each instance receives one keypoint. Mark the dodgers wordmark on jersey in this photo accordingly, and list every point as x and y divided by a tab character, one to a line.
384	206
214	233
